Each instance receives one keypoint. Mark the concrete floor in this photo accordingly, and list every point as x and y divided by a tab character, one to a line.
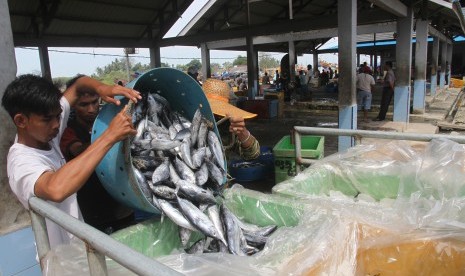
322	112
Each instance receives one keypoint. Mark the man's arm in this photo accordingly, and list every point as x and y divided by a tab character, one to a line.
57	186
106	92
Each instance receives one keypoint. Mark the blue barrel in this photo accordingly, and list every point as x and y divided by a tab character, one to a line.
115	171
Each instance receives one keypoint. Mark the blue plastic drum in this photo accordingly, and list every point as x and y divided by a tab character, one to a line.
115	171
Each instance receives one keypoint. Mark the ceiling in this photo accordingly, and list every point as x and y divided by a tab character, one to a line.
93	23
143	23
232	19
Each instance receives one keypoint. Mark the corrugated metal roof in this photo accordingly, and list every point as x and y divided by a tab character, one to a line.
93	23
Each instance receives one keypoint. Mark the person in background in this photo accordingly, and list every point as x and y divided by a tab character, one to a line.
244	145
365	83
35	164
194	73
447	72
266	79
303	78
388	91
97	206
276	76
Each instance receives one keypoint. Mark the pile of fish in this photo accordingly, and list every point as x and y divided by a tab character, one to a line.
180	168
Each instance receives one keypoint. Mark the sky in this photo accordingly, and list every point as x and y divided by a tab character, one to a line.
86	60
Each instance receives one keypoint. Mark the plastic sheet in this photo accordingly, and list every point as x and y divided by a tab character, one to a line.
417	230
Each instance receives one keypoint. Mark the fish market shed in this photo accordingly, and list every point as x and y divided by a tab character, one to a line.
293	27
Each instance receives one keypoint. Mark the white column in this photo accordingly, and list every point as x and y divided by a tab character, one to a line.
442	74
434	66
403	68
421	55
292	58
7	134
347	33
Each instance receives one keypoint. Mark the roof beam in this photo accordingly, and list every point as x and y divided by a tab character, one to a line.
305	35
436	33
393	6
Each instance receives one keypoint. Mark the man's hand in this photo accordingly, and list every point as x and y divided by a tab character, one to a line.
107	93
121	127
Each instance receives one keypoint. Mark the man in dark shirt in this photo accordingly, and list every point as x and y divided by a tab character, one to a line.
98	208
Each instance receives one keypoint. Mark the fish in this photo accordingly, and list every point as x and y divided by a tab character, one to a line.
163	191
197	247
216	149
184	235
157	144
185	150
202	136
143	185
175	215
195	193
183	134
214	172
198	219
201	175
184	171
195	126
214	215
162	172
233	231
198	156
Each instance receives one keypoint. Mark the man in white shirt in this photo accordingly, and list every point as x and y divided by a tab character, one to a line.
35	164
365	82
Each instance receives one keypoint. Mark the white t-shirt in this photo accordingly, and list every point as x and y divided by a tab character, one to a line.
365	81
25	165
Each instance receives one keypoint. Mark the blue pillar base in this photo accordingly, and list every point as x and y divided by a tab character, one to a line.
434	85
401	104
419	92
442	80
347	120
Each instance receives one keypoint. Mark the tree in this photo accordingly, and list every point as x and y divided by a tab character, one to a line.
227	66
266	61
196	63
240	60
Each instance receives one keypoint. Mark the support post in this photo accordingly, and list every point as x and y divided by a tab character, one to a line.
434	66
205	53
315	60
252	65
403	68
449	60
155	57
347	33
421	55
292	58
45	63
442	74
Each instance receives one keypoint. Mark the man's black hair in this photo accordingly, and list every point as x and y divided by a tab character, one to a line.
389	63
73	80
29	94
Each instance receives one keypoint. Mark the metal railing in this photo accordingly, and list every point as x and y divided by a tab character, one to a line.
98	244
358	135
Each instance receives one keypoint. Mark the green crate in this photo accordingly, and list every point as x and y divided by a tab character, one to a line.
284	154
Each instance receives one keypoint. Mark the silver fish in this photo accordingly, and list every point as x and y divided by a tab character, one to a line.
154	107
195	193
214	215
216	149
195	126
233	231
184	235
172	132
175	215
197	248
201	175
184	171
162	191
162	172
185	150
183	134
197	218
214	172
143	185
198	156
161	144
202	136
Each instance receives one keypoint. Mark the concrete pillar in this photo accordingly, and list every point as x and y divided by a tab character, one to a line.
434	66
206	68
45	63
292	58
347	33
358	59
403	68
8	130
421	56
442	74
375	66
315	60
449	60
155	57
252	65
